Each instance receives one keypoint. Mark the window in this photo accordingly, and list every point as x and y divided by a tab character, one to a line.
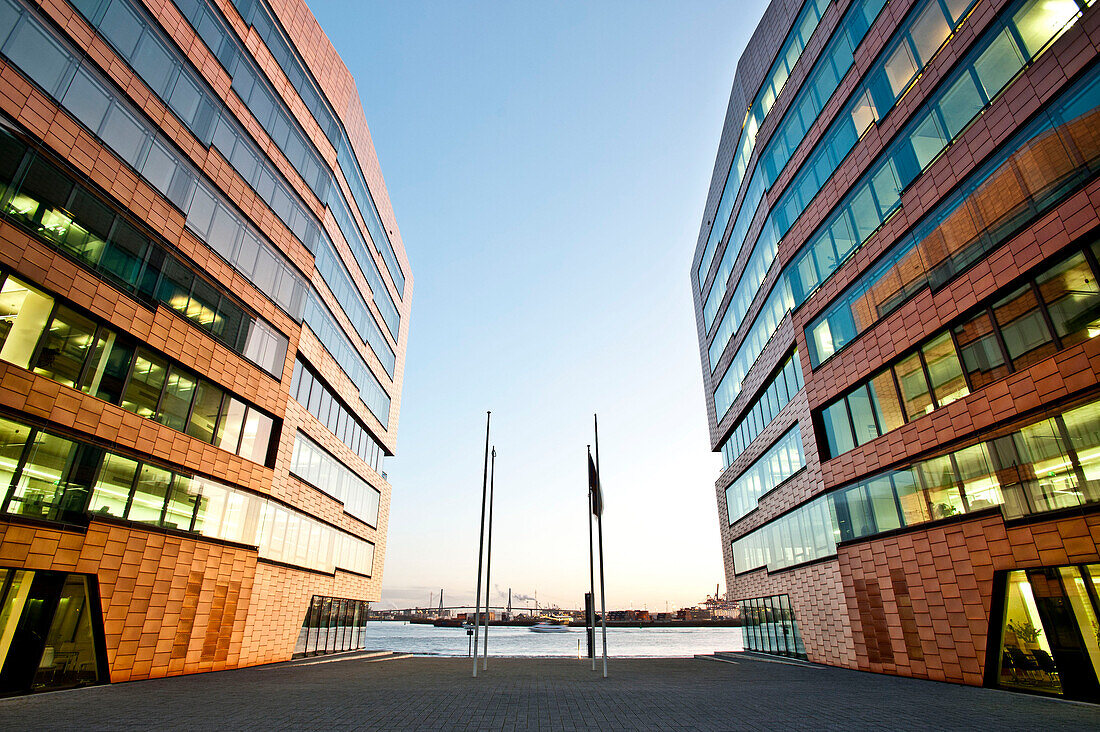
1073	300
24	312
204	415
150	494
65	348
838	431
230	424
914	387
863	417
146	381
929	31
175	405
13	437
1023	328
255	437
980	351
43	485
948	381
884	397
112	489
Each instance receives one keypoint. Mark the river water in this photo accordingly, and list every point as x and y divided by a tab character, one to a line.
512	641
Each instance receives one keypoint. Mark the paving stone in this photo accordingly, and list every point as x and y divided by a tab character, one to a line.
429	693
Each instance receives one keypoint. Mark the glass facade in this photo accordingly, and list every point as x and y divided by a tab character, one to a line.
877	194
316	466
781	461
177	209
1041	467
768	626
1050	639
332	625
50	635
310	391
59	343
55	478
1056	308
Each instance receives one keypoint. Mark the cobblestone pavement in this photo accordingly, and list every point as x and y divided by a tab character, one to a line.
541	694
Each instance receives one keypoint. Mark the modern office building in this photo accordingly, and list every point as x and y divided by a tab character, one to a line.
896	296
204	306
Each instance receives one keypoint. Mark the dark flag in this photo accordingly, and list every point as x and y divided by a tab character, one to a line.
594	487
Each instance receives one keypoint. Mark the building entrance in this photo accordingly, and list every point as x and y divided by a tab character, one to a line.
49	632
1049	632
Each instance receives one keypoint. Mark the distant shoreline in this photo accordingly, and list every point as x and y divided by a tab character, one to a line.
448	623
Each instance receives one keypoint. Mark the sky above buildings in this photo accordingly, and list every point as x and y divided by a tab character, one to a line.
548	164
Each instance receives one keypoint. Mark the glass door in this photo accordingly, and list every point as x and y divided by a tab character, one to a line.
49	632
1050	639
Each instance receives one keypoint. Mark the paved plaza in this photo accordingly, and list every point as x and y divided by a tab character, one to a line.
388	692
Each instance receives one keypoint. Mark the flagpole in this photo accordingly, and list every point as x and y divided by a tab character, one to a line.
489	557
599	530
481	540
590	618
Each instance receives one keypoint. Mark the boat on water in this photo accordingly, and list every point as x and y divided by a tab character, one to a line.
551	625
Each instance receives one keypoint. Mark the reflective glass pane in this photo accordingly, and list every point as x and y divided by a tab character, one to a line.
43	479
884	398
980	351
24	312
1039	20
67	344
944	369
204	415
939	481
929	31
959	105
181	504
13	437
863	417
838	431
230	424
1023	328
256	436
900	67
178	394
112	489
150	494
146	382
914	387
1073	300
998	63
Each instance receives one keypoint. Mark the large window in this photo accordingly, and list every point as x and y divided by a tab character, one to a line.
1008	334
44	199
1025	178
54	478
71	348
769	626
312	393
1045	466
316	466
775	396
780	462
331	625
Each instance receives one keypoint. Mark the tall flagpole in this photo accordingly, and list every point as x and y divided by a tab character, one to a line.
599	529
489	557
481	540
590	618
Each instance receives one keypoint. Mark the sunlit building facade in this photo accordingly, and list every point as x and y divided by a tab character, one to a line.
897	308
204	304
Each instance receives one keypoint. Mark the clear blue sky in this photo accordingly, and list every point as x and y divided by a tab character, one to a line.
548	164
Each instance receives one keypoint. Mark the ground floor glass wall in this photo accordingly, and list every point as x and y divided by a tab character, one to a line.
50	632
332	624
769	626
1050	635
